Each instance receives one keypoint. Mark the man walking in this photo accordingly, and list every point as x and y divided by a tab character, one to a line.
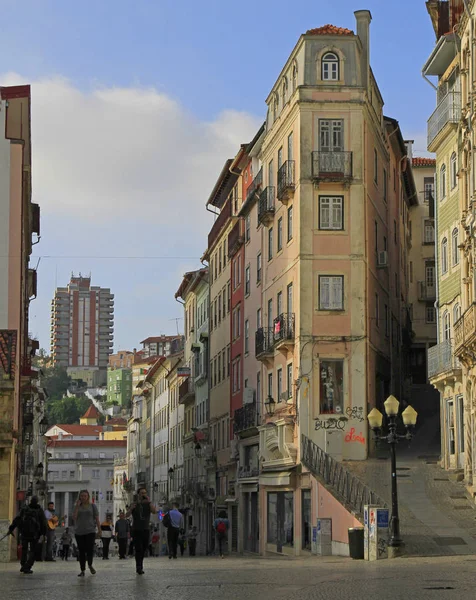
141	510
66	540
122	534
31	524
52	520
173	529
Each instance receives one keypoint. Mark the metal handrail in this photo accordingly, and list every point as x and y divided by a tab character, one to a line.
347	488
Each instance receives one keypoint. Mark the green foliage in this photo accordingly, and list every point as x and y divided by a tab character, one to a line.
66	410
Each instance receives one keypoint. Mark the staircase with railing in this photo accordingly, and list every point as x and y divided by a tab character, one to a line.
339	481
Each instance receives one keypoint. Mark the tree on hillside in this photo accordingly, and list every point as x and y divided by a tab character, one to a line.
66	410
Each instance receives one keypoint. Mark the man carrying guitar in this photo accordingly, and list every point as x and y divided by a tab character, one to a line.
53	521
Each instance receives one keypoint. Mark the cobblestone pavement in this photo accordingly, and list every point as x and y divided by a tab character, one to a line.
436	515
247	578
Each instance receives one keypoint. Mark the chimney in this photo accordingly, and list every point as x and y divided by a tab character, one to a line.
363	18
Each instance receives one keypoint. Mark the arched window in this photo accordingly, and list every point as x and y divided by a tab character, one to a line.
453	170
284	90
443	182
275	108
444	256
446	325
456	312
294	82
454	247
330	67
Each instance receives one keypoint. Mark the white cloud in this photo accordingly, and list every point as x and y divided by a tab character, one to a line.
126	152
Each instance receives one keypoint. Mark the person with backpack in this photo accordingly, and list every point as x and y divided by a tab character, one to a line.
86	527
173	520
141	510
31	525
221	526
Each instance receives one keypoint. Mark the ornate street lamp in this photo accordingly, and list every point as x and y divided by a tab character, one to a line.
198	450
375	418
43	425
270	405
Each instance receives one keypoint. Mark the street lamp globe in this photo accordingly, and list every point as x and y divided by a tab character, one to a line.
391	406
375	418
409	416
198	450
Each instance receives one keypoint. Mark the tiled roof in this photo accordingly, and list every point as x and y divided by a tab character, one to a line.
118	421
91	413
419	161
81	430
87	443
160	338
329	30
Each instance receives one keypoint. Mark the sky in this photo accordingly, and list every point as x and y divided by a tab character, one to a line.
135	108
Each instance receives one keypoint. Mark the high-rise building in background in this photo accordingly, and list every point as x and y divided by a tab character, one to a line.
82	329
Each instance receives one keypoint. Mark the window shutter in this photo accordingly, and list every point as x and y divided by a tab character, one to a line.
337	214
325	214
324	292
336	293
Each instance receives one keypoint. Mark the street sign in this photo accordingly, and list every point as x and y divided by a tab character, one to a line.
382	519
183	372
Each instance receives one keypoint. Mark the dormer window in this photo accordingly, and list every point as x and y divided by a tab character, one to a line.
330	67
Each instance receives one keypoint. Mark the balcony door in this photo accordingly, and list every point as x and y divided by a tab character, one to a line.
430	279
459	408
331	135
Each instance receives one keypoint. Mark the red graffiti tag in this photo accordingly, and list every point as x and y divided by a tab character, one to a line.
353	437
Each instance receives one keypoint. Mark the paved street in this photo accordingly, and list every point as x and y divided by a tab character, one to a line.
247	578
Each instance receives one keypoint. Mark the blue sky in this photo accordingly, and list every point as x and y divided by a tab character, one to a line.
136	105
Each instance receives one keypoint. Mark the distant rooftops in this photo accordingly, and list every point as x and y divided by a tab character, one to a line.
160	338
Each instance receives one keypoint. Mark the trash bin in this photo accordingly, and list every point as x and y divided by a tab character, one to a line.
356	543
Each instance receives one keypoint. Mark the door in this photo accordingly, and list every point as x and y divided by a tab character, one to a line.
290	299
254	522
430	279
334	442
461	458
450	433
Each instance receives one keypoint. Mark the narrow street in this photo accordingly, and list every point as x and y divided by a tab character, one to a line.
247	578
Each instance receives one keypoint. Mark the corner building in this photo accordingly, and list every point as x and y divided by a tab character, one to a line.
333	325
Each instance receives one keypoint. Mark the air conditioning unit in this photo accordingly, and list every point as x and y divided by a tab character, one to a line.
382	259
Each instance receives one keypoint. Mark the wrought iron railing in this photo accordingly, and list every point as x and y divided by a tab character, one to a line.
248	471
186	389
286	181
266	203
465	330
447	111
344	486
255	185
426	292
333	166
284	327
245	418
441	358
264	341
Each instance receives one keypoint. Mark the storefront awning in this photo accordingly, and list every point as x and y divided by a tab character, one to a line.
441	57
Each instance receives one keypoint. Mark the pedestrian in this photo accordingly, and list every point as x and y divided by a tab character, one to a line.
31	525
86	527
155	543
221	526
66	540
173	520
192	541
141	510
182	541
122	529
107	531
53	520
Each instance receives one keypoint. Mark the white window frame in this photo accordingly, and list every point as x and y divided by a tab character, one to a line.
444	256
443	182
330	67
331	292
331	213
429	231
454	246
453	171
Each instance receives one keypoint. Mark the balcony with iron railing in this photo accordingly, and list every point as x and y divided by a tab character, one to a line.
283	330
332	166
245	418
447	112
235	238
266	205
286	181
264	342
465	332
426	292
441	359
255	186
187	390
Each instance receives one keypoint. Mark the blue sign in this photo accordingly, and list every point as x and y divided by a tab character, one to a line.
314	534
382	518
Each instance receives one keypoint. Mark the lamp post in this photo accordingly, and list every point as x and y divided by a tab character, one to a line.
375	418
270	405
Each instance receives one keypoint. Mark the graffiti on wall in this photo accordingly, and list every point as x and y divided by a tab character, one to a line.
352	436
331	424
356	412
